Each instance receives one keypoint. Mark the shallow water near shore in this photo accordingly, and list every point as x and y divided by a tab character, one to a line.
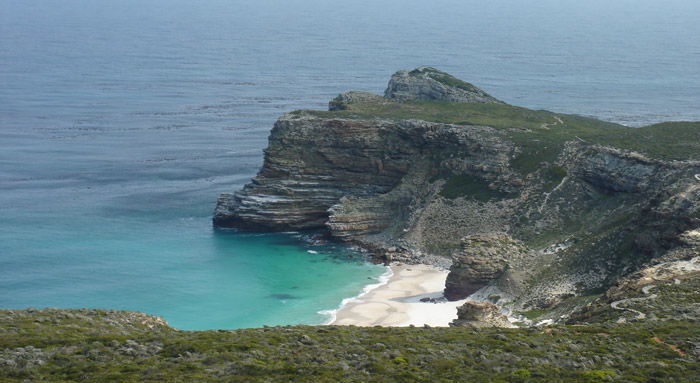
195	277
122	122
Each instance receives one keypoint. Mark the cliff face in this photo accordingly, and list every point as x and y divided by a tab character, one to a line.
310	164
480	260
582	202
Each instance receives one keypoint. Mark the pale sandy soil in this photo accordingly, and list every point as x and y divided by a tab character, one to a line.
397	303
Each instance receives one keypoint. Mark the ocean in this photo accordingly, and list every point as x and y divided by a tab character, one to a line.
122	122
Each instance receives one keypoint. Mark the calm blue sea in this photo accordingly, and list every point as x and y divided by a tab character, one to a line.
122	121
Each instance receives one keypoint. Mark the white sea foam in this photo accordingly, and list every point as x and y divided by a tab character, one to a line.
312	251
383	280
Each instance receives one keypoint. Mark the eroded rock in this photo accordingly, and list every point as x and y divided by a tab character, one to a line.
480	260
611	170
312	163
480	314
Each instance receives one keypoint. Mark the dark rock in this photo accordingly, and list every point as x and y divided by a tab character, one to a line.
325	173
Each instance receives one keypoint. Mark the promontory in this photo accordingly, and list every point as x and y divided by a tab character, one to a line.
535	209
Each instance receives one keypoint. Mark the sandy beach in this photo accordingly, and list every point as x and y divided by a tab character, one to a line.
397	303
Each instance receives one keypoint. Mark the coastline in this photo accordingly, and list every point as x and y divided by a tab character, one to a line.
333	314
396	302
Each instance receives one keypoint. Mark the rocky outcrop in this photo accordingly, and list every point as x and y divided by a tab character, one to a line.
312	163
480	260
425	83
666	222
480	314
352	217
612	170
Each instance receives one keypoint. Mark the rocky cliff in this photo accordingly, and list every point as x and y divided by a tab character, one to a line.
563	205
480	260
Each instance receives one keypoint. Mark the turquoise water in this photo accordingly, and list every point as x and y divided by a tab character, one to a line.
122	122
178	268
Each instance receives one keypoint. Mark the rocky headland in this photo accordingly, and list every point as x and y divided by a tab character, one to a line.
536	208
584	231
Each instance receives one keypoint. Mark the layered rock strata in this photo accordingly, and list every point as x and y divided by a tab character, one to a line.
312	163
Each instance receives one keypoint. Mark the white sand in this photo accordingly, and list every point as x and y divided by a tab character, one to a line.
397	303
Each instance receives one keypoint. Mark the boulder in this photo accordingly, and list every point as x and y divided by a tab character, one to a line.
480	314
480	260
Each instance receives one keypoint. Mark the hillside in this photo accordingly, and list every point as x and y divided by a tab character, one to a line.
112	346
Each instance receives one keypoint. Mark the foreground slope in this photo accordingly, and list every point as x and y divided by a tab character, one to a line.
583	202
606	340
108	346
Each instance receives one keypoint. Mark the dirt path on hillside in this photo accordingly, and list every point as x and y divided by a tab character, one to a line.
640	315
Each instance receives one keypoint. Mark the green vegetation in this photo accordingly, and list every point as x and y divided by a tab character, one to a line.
467	185
533	314
672	301
443	248
598	375
494	115
557	173
521	375
106	346
553	177
540	135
